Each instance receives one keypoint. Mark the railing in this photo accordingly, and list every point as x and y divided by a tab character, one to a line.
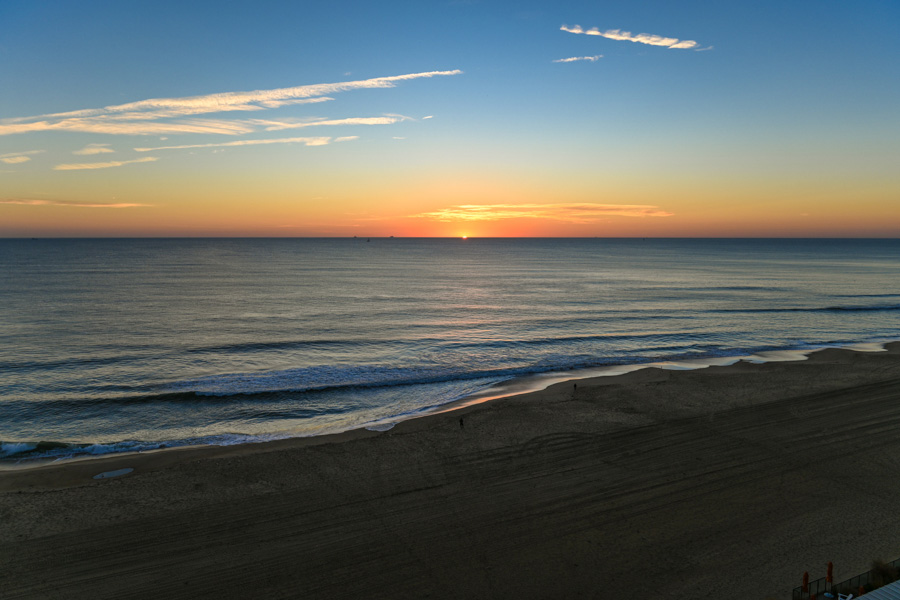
868	581
815	589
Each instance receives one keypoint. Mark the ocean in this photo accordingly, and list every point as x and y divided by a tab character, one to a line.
112	345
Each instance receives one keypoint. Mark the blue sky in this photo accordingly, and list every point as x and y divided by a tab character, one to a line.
745	110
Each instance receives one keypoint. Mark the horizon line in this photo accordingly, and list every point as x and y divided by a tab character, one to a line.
447	237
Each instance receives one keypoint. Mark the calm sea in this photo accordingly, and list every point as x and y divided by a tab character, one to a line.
113	345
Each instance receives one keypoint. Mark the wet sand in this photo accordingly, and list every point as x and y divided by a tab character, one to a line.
717	483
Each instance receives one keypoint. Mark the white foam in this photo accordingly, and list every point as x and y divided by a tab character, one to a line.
768	356
867	347
234	439
692	364
380	426
116	473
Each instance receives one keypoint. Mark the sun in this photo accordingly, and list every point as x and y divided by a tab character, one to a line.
465	237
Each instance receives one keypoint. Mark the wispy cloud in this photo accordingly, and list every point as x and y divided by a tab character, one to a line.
93	149
279	125
136	127
143	117
307	141
641	38
577	58
14	158
73	203
103	165
277	103
571	213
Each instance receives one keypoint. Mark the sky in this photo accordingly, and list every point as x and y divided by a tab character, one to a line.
621	118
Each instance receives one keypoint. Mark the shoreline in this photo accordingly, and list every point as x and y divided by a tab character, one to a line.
517	386
160	456
655	483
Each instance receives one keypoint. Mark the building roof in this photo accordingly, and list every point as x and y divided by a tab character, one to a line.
890	591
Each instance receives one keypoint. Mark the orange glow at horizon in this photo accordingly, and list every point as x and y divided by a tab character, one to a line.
434	204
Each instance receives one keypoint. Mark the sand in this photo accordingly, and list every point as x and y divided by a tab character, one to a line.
726	482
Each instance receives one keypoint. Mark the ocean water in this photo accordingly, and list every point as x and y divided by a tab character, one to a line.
115	345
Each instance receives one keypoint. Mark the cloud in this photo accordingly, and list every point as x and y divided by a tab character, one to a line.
279	125
14	158
571	213
277	103
141	118
93	149
577	58
103	165
308	141
74	203
641	38
114	127
428	117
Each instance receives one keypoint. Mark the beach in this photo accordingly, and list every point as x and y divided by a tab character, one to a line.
729	481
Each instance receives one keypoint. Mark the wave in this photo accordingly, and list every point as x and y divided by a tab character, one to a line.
338	377
16	451
888	307
25	366
868	296
289	345
331	378
814	309
685	338
295	385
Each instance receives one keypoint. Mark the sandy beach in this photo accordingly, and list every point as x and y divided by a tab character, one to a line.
725	482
